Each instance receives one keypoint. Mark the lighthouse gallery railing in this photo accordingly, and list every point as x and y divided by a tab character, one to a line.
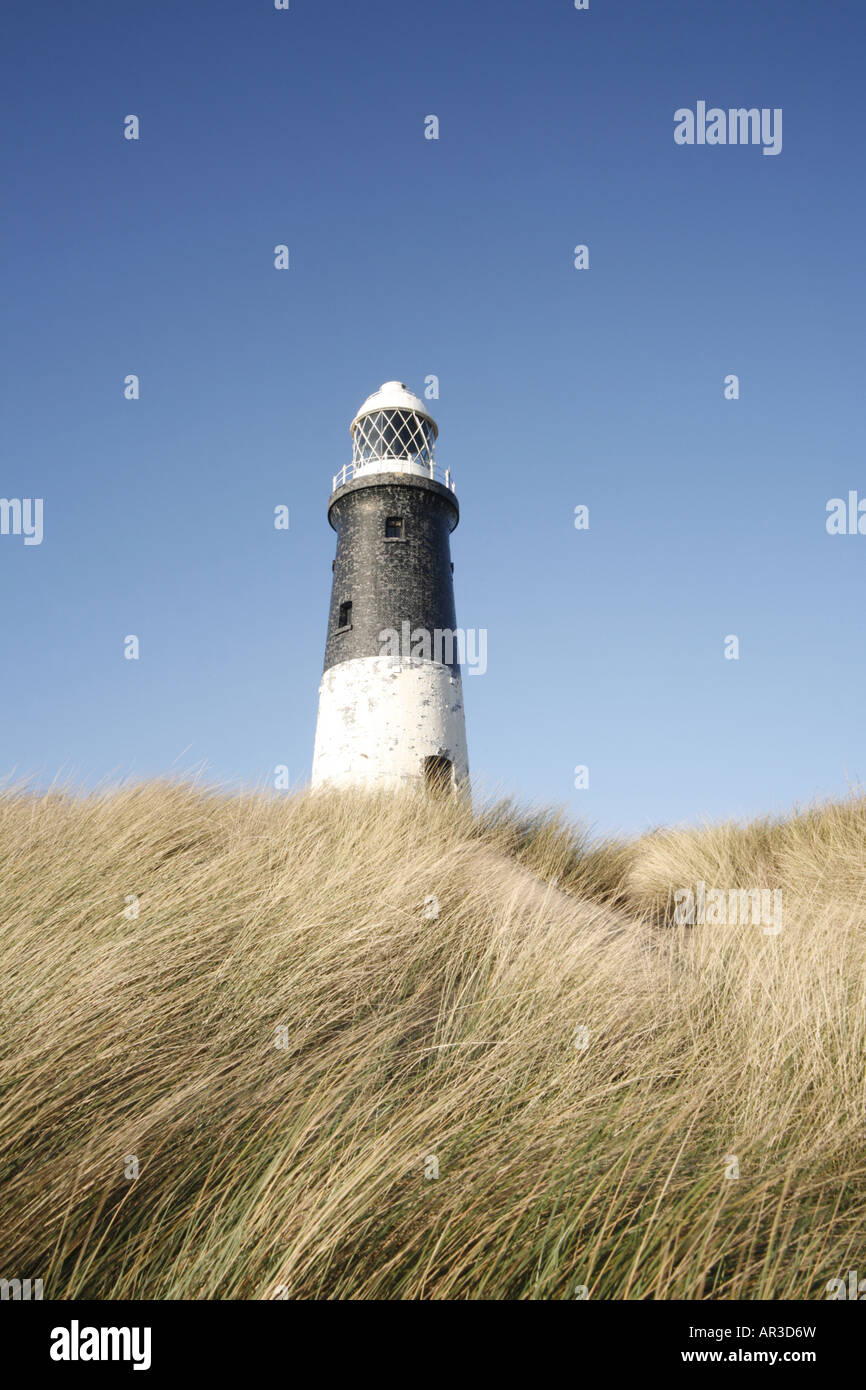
419	470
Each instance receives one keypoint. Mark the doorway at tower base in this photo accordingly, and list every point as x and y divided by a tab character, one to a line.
387	723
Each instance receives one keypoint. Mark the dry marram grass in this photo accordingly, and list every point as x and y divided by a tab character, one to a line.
581	1070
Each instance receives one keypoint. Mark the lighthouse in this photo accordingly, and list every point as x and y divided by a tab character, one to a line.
391	697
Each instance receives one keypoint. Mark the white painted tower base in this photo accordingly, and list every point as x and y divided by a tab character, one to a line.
381	717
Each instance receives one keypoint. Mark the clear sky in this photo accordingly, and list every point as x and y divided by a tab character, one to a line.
453	257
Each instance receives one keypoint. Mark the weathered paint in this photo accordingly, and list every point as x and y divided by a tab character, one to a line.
380	717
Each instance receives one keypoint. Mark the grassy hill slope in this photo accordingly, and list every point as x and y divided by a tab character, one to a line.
292	1013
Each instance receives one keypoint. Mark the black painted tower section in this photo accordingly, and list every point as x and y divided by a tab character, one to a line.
393	562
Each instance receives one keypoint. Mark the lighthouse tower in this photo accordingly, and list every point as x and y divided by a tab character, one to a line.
391	698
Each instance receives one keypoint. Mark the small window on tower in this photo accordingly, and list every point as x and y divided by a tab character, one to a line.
345	615
394	528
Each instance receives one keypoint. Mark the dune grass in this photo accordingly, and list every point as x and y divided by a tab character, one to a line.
293	1013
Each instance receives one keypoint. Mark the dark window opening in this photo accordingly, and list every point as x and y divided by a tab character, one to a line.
438	774
394	528
345	615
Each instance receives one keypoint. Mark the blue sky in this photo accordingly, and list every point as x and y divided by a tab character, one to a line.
558	387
